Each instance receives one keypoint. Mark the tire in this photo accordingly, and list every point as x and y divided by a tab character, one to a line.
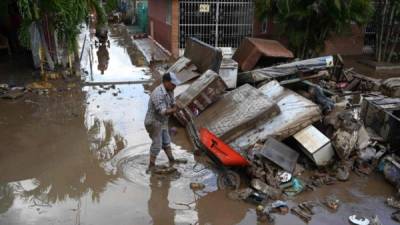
228	180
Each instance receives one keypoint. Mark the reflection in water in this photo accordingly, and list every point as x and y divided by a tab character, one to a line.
102	57
158	203
55	186
104	142
65	165
209	211
121	49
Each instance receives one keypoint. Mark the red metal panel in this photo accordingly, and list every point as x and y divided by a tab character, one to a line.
222	151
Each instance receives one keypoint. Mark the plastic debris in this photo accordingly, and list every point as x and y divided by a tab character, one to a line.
392	202
240	194
332	202
359	220
197	186
263	214
342	173
296	188
280	206
284	176
272	192
376	221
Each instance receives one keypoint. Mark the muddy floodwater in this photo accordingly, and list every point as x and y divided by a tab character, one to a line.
78	156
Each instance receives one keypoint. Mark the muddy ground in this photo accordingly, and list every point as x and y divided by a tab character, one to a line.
78	156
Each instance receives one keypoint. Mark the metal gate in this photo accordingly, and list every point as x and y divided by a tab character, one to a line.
220	23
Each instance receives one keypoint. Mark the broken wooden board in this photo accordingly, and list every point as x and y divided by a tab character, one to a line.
236	112
184	70
297	113
228	72
198	87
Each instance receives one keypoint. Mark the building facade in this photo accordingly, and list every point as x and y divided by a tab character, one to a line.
224	23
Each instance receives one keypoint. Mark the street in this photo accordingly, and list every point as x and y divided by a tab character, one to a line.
79	156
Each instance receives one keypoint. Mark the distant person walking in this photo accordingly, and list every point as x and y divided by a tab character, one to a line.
161	106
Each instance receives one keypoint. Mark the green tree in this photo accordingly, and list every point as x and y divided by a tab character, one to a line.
110	5
65	16
308	23
387	20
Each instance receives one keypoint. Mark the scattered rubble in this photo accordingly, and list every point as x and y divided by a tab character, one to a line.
263	215
396	216
39	85
304	210
294	126
197	186
280	207
392	202
271	192
13	93
391	87
281	155
332	202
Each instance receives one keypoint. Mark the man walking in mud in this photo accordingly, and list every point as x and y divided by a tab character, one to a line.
161	106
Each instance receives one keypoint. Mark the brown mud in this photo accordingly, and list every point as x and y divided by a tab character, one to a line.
79	155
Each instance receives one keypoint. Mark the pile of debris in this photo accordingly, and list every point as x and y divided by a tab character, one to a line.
288	117
13	92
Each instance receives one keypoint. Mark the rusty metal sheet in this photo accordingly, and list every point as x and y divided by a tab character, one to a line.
280	154
252	49
296	113
237	112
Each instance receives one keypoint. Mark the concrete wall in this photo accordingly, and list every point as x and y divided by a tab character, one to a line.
167	35
158	27
350	43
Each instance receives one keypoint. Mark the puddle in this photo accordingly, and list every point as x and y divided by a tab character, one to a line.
110	62
80	157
